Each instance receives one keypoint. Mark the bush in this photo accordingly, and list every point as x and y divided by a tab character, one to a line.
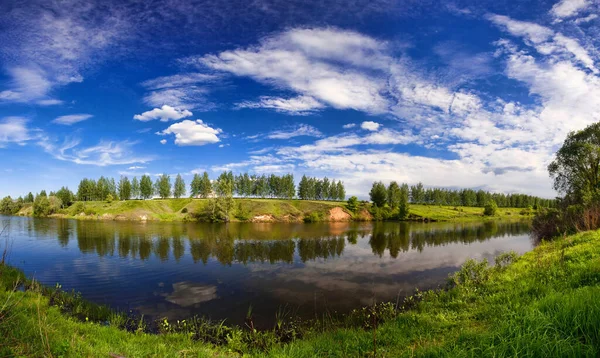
352	204
184	210
312	218
490	209
109	198
46	205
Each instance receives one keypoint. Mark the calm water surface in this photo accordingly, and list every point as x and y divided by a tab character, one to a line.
219	270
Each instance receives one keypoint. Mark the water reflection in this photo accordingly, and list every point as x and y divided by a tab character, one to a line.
176	270
263	243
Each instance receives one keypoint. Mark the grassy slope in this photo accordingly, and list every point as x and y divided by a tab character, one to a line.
282	210
542	305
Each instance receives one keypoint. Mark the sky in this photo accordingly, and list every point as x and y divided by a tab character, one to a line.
455	94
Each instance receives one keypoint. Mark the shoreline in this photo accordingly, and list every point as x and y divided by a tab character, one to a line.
264	211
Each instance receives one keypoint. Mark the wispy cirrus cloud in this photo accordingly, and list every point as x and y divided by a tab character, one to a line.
103	154
14	130
70	119
301	105
297	131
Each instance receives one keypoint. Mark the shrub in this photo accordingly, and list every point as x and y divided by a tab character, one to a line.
109	198
490	208
352	204
46	205
184	210
312	217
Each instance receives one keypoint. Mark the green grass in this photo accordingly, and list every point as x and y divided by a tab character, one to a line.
246	209
463	213
542	304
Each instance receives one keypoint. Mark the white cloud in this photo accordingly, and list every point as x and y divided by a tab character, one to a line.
136	167
71	119
186	90
300	105
568	8
370	125
14	130
163	141
349	125
324	64
103	154
45	47
165	113
188	133
528	30
300	130
588	18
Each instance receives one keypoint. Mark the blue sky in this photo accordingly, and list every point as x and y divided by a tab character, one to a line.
454	94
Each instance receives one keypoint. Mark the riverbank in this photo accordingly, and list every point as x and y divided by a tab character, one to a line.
262	210
540	304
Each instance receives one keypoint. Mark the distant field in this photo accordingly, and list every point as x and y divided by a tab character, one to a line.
188	209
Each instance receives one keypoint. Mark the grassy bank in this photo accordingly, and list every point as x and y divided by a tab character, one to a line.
541	304
261	210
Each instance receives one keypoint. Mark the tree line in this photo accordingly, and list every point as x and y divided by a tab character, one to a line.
418	194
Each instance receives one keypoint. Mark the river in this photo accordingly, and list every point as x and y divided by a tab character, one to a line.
177	270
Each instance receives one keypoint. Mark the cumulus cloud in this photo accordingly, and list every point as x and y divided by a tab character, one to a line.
322	64
71	119
165	113
299	130
301	105
163	141
499	144
370	125
349	125
192	133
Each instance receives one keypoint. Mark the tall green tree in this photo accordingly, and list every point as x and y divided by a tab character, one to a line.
135	188
378	194
164	186
29	198
576	167
124	188
66	197
393	195
146	189
205	186
195	186
179	187
403	203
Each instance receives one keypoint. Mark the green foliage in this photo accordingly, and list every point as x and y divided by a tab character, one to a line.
46	205
146	189
352	204
320	189
109	198
313	218
205	187
163	186
490	208
179	187
135	188
125	188
8	206
576	167
378	194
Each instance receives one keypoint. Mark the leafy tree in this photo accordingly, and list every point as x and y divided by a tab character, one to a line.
417	193
163	186
66	197
29	198
195	186
124	188
576	168
403	203
205	188
490	208
179	187
6	206
393	195
146	187
44	205
378	194
341	191
110	198
352	204
43	193
135	188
